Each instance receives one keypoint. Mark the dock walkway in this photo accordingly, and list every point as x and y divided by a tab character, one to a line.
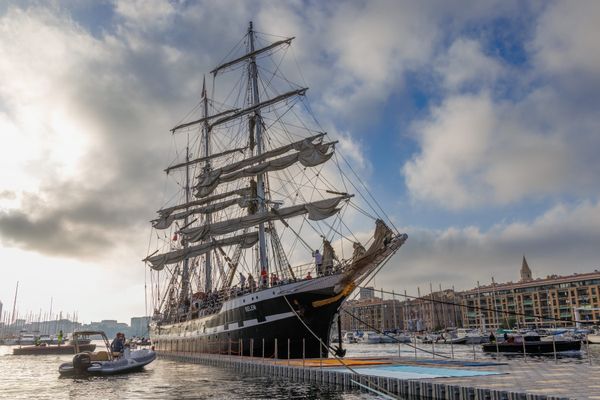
414	379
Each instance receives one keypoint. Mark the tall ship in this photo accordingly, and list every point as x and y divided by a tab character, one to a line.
266	228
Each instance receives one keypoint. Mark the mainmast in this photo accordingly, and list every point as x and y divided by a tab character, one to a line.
260	179
206	137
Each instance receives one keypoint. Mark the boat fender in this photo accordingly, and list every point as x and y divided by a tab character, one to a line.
81	362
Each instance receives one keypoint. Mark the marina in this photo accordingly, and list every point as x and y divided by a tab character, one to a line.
346	200
425	377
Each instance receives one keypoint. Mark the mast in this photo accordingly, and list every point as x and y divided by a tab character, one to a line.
185	274
206	136
50	315
12	319
260	179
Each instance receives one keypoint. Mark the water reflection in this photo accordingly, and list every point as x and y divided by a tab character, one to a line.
24	377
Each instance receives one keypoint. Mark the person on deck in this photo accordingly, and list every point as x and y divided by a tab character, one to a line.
60	337
251	283
318	262
274	279
118	344
242	281
308	276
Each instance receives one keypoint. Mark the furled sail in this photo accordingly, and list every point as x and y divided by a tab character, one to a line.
163	222
252	54
159	261
309	155
316	211
204	119
255	108
298	146
203	159
165	212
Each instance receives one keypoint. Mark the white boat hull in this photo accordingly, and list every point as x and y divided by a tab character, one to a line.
135	361
593	339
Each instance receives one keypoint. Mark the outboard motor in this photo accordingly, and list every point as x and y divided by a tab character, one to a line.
81	362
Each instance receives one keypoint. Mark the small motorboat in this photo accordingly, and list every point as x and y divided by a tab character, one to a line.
371	337
593	337
80	340
431	338
142	341
532	344
472	336
402	338
44	349
349	337
105	362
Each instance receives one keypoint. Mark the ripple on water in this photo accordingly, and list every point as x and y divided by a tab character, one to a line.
26	377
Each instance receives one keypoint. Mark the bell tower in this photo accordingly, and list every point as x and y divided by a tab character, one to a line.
525	271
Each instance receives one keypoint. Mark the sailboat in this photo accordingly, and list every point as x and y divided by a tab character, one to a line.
269	230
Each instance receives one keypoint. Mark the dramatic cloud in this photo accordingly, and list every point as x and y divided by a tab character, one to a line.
465	66
80	130
476	151
483	148
563	240
503	99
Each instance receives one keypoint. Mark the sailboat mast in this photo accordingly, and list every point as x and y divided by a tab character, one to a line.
206	136
185	274
260	179
13	317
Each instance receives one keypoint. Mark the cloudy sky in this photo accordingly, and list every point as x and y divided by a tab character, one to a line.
477	126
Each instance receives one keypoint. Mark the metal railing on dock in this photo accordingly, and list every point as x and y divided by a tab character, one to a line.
330	372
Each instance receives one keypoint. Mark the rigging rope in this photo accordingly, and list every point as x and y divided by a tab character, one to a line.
369	193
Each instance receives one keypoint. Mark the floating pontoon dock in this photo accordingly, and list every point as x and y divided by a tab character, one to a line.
434	379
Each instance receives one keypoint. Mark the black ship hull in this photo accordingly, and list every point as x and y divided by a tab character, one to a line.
292	320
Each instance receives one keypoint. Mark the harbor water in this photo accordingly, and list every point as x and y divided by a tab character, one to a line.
25	377
36	377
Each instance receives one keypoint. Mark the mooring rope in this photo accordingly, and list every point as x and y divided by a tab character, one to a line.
387	393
